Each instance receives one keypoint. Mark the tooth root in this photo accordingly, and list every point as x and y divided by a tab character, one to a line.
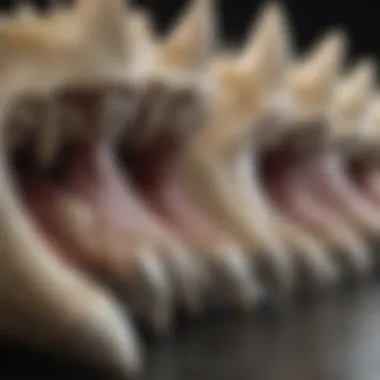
150	289
235	276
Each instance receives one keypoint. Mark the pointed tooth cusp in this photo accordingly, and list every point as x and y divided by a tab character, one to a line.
189	277
190	43
269	40
312	80
352	97
144	44
110	337
235	276
150	289
316	262
103	24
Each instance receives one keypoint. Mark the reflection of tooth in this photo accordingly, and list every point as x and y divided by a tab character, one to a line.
236	276
150	289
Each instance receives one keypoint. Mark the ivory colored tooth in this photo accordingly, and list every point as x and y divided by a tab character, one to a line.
189	277
314	258
109	336
235	276
150	289
101	335
352	98
357	256
271	35
191	41
312	79
279	268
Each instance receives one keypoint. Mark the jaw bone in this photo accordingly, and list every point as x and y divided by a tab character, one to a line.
159	142
66	310
310	88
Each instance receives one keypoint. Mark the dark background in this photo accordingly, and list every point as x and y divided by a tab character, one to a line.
335	337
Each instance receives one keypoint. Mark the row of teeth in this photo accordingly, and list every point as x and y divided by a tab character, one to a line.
241	91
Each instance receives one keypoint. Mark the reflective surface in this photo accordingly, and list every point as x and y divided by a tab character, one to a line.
332	338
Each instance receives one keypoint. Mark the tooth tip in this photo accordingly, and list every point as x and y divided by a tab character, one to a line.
236	277
109	339
189	278
152	290
331	48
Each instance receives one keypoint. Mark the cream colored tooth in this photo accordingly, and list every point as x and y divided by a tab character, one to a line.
189	277
103	24
191	41
312	255
150	289
109	335
352	251
312	79
235	276
270	34
143	40
352	97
